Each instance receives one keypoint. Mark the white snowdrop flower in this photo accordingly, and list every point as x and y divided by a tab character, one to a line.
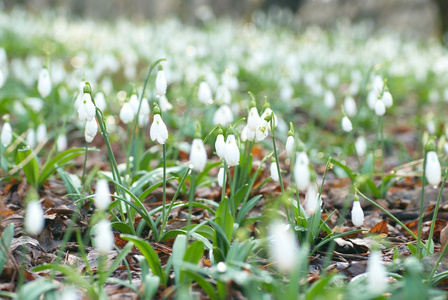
387	99
100	101
268	112
198	155
377	85
6	135
221	267
312	199
274	172
350	106
372	97
253	119
232	152
376	273
302	171
86	110
41	133
133	101
220	146
283	246
346	124
69	293
431	127
220	177
158	130
329	99
90	130
445	148
2	79
223	115
161	84
223	94
205	93
164	104
31	138
433	169
143	118
127	113
357	213
262	131
380	108
104	237
61	143
44	83
79	96
290	146
102	195
34	218
247	134
361	146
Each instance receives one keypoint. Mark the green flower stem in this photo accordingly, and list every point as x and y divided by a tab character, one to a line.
164	221
422	203
190	202
392	217
164	186
439	260
84	168
436	208
380	120
356	151
223	189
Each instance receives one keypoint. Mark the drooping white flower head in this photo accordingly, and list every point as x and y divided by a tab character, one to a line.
34	218
302	171
274	171
133	101
102	195
205	93
290	146
161	84
232	152
31	137
91	130
433	169
220	177
44	83
198	155
61	143
387	99
346	124
104	237
86	110
283	246
143	118
312	199
350	106
164	104
158	129
2	79
262	130
357	212
223	94
376	273
372	97
329	99
380	108
253	119
431	127
100	101
6	135
223	115
268	112
361	146
247	134
220	145
127	113
41	133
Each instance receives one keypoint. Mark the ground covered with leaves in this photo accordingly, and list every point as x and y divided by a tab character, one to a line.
295	162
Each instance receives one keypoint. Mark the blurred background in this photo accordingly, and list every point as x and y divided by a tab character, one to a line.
410	18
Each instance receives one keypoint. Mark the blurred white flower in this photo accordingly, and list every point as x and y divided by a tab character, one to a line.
431	127
283	246
41	133
158	130
357	213
312	199
329	99
2	79
100	101
302	171
61	143
220	177
361	146
262	131
376	273
104	237
274	172
232	152
433	169
161	84
387	99
6	134
223	94
372	97
133	101
290	146
220	146
223	115
346	124
380	108
164	104
102	195
350	106
127	113
69	293
34	218
253	119
205	93
44	83
86	110
91	130
31	137
198	155
268	112
247	134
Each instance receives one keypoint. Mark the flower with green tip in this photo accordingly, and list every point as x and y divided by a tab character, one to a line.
357	212
158	129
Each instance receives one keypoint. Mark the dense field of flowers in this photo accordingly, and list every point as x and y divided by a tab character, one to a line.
231	160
